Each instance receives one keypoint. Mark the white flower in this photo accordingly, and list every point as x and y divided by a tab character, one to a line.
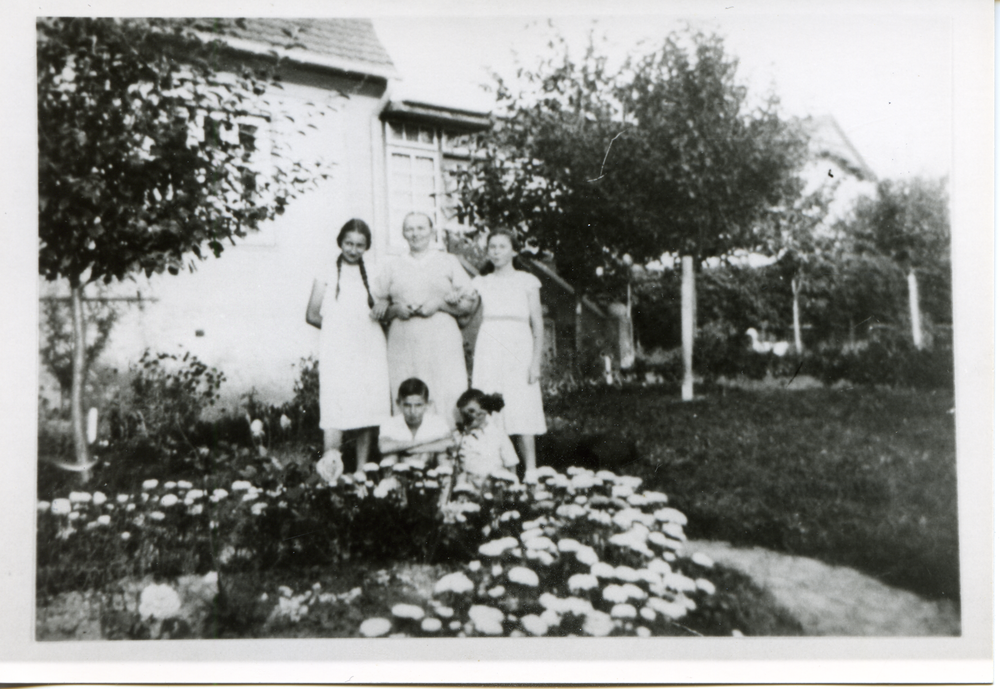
535	625
503	475
586	555
632	482
169	500
626	573
624	611
602	570
582	582
540	543
159	601
569	545
632	540
633	592
674	530
125	535
498	547
122	498
523	576
74	515
193	495
669	514
256	428
456	582
648	614
157	516
475	566
542	556
241	485
258	507
702	559
44	505
599	517
100	498
620	491
79	496
655	497
375	626
704	584
150	484
431	625
385	487
407	611
496	591
598	623
671	610
613	593
486	620
130	507
497	570
659	567
543	471
370	467
285	422
679	582
571	511
454	625
104	520
625	518
443	611
528	534
170	485
219	494
643	632
61	506
511	514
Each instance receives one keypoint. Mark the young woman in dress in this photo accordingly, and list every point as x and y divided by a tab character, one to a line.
353	376
421	294
508	354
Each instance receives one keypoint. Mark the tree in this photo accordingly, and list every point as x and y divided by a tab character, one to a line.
665	154
146	157
908	223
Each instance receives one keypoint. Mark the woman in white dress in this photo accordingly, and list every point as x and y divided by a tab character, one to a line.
508	354
422	293
353	376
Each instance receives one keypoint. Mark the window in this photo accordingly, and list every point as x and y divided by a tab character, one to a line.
421	166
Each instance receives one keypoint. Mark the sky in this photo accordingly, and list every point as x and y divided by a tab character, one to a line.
886	79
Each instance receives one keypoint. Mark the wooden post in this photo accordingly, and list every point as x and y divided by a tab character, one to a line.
796	325
80	447
687	326
578	344
918	335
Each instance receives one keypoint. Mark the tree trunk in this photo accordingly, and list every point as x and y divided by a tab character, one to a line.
687	326
80	447
796	325
578	336
627	343
915	326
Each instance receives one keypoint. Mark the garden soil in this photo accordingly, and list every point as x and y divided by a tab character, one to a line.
835	601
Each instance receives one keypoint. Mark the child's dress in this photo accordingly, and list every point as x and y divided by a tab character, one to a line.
485	449
432	427
504	348
353	374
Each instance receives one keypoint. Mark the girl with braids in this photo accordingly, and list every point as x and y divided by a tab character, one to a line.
353	376
508	353
483	446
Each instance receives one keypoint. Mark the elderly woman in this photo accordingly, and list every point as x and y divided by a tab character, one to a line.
422	293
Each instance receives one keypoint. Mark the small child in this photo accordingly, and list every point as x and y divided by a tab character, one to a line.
414	435
483	446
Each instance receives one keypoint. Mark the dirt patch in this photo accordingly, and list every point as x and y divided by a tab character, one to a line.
836	601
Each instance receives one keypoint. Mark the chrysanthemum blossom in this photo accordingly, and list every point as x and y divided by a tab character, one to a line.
258	508
523	576
104	520
256	428
544	471
569	545
122	498
79	496
159	601
535	625
496	591
602	570
486	620
703	584
169	500
643	632
598	623
385	487
503	475
571	511
370	467
407	611
614	593
498	547
626	573
375	626
673	530
456	582
150	484
431	625
587	556
647	613
542	556
669	514
241	485
157	516
219	494
541	543
633	592
99	498
670	609
624	611
702	559
475	566
606	475
444	611
192	495
528	534
44	505
582	582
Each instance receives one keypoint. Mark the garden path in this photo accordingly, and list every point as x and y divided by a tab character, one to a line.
835	601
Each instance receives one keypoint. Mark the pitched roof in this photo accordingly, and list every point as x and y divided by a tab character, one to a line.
342	43
828	141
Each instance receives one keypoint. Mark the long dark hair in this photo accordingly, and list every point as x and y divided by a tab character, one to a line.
361	227
515	244
490	403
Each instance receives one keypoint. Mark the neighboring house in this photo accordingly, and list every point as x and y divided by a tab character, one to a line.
833	160
245	312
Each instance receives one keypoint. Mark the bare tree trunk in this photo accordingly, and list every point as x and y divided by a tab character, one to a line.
915	326
79	372
796	325
687	326
578	339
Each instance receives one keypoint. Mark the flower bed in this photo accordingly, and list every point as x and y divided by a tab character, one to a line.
577	553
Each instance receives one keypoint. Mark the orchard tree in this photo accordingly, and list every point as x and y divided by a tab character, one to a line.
146	159
664	154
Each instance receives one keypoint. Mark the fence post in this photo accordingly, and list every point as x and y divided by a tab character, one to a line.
687	326
918	335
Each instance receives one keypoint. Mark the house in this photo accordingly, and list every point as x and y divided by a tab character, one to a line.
245	313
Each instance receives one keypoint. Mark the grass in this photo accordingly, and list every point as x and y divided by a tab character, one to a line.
856	477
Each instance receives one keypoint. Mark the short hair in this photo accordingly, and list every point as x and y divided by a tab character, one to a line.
515	243
413	386
491	403
430	220
355	225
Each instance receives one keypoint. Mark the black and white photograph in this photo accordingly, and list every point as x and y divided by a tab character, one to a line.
648	336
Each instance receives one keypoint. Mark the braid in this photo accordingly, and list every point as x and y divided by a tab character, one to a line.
340	259
364	279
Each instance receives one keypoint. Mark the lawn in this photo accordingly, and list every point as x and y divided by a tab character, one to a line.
857	477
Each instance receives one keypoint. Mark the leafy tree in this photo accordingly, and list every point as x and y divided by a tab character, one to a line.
665	154
146	157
